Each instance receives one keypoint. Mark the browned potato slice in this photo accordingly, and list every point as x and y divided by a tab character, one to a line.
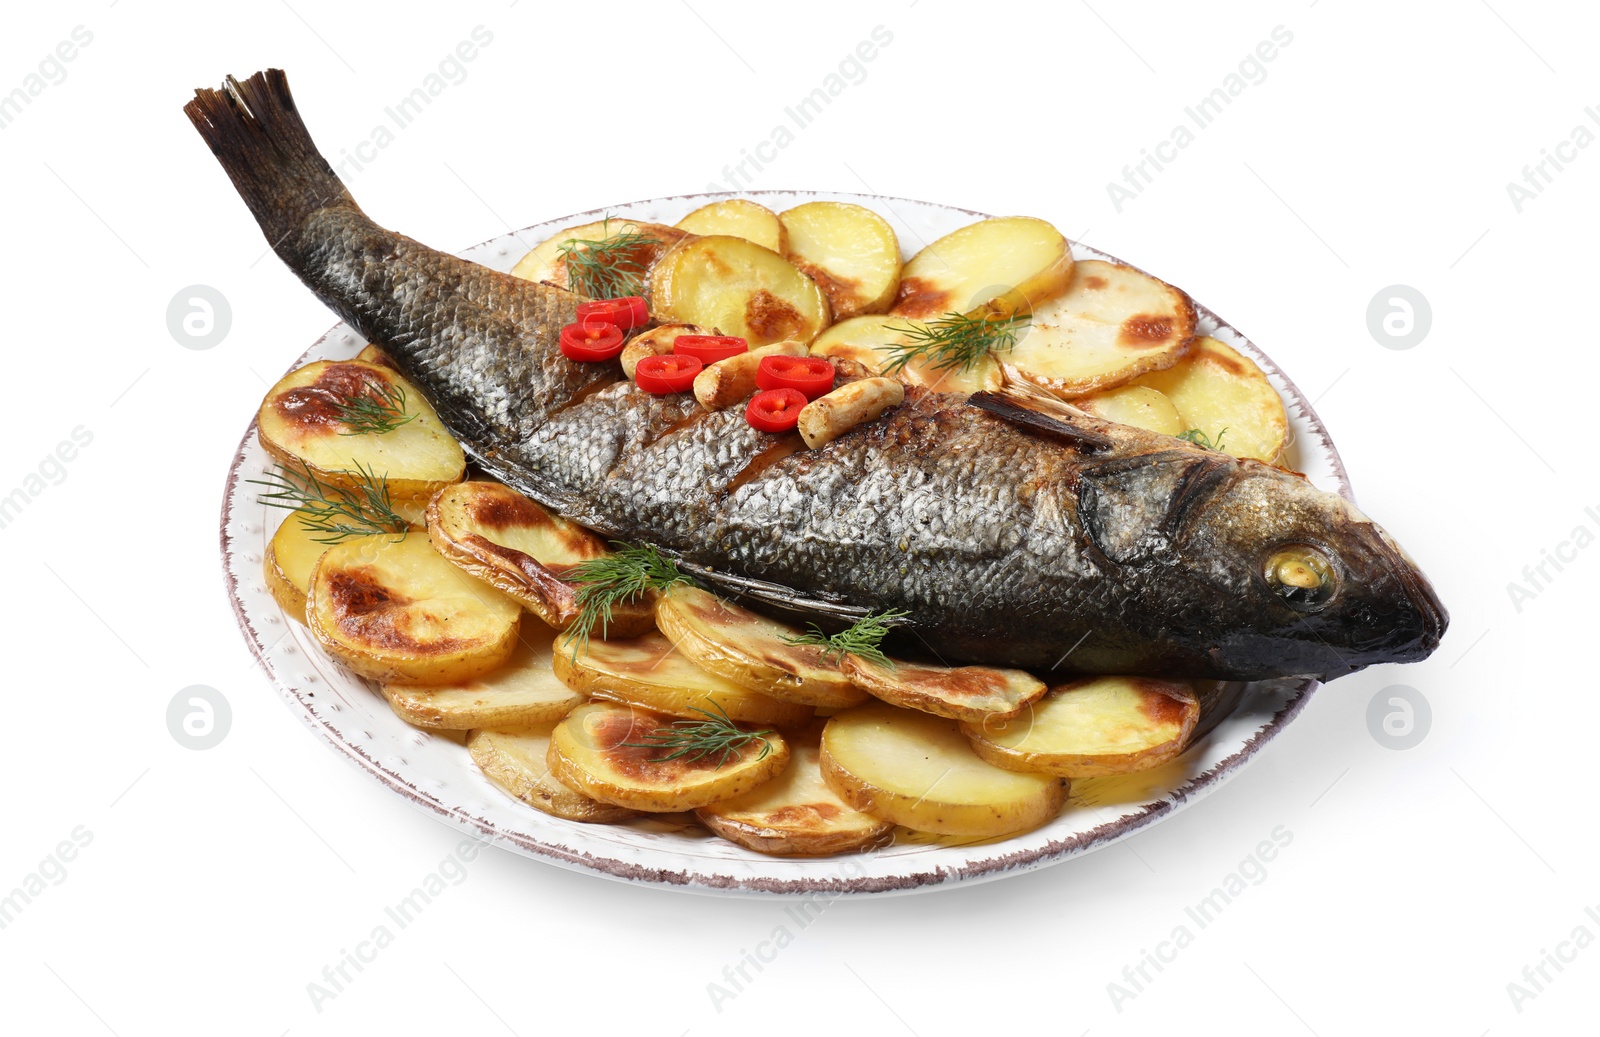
300	423
738	288
1006	265
656	341
519	762
516	546
796	813
395	610
749	649
849	250
1093	727
649	672
291	555
372	353
1111	326
1137	405
957	692
524	691
1222	392
739	218
871	341
606	751
545	261
917	770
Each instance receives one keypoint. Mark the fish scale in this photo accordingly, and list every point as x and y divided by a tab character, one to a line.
1013	531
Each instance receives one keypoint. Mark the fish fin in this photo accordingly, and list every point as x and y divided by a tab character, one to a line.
748	591
1041	414
255	130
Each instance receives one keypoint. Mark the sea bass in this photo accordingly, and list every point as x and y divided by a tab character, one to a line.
1011	531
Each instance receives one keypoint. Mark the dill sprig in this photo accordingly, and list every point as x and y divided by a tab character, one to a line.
380	408
863	638
1200	439
335	512
955	341
625	575
697	739
608	268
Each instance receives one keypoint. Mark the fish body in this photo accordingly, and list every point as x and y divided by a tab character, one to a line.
1010	531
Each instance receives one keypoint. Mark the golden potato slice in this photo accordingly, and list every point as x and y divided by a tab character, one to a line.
1111	326
849	250
917	770
872	341
957	692
524	691
749	649
519	762
649	672
372	353
737	288
545	262
1222	392
739	218
795	814
516	546
655	342
395	610
612	753
1092	727
1137	405
291	555
304	420
1006	265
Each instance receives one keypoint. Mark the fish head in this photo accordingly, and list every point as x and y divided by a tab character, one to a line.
1278	578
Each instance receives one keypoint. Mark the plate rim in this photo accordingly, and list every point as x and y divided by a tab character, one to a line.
980	868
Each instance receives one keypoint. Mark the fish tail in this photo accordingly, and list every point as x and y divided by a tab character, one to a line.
256	132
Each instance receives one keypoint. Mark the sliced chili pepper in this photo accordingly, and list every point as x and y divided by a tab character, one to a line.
710	348
812	375
667	373
592	342
775	410
627	312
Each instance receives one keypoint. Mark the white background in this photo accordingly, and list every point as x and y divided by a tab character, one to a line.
1376	151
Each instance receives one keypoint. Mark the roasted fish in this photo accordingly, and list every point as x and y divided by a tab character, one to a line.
1013	530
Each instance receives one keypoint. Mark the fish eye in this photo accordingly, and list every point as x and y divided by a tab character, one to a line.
1303	576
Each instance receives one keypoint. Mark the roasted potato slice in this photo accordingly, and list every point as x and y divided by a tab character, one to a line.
545	261
1137	405
750	650
738	288
849	250
917	770
656	341
649	672
873	341
1222	393
739	218
291	555
372	353
395	610
795	814
516	546
1005	265
1091	728
518	761
1111	326
302	421
524	691
607	751
957	692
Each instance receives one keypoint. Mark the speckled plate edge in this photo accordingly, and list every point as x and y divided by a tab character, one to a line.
659	854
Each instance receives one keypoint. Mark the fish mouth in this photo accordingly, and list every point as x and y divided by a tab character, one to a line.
1432	619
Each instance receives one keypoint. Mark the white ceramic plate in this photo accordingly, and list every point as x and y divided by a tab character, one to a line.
435	773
